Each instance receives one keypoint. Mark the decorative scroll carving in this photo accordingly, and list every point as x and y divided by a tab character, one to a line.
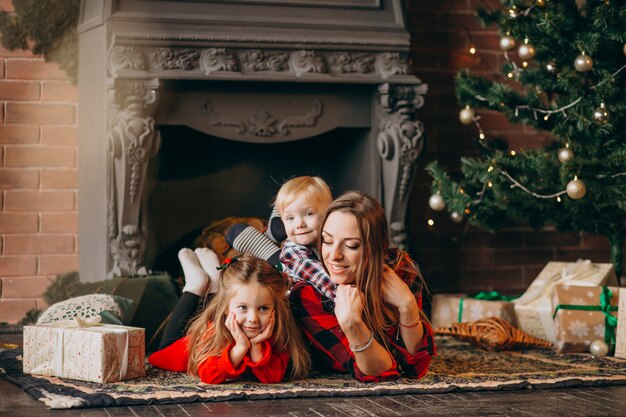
219	120
132	139
128	250
307	120
259	60
262	123
126	58
391	63
400	142
346	62
169	59
217	59
302	62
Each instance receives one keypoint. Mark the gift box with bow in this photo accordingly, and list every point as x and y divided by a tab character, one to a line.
534	308
459	308
85	351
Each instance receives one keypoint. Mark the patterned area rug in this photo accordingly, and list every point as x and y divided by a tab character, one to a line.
459	367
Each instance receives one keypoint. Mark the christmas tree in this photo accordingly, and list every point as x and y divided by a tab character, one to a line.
569	80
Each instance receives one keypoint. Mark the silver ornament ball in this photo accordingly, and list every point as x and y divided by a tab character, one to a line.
456	217
599	348
436	202
466	115
526	51
576	189
565	154
507	43
583	63
601	115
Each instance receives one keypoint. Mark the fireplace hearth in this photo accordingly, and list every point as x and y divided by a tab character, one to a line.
196	110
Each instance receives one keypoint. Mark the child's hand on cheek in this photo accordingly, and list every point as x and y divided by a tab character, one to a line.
241	340
265	334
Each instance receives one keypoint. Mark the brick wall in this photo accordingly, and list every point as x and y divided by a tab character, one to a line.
38	179
454	257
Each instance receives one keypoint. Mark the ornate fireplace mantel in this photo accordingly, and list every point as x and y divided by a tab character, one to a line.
246	70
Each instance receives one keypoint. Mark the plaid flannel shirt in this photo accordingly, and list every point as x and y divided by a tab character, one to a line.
303	263
329	345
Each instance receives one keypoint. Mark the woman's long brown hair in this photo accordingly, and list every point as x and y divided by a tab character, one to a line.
374	231
209	336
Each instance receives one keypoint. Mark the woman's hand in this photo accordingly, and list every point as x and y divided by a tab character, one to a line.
348	306
396	292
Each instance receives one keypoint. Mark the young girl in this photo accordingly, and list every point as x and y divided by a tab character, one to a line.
246	332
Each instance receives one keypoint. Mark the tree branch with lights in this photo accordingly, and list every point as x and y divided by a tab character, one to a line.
570	80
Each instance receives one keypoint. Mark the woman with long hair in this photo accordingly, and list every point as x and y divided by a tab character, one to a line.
374	327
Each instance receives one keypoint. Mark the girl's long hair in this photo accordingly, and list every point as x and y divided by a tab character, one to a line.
209	336
374	231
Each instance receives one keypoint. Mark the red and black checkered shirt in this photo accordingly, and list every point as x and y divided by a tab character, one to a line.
330	348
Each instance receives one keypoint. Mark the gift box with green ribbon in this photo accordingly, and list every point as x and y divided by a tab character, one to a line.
584	314
534	308
459	308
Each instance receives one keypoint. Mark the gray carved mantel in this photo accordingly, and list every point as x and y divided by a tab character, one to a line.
247	70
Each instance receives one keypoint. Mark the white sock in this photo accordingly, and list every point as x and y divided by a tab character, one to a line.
196	280
209	262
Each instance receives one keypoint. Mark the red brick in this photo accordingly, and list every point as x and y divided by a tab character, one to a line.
17	53
7	5
34	69
523	257
38	244
18	265
39	200
18	222
550	239
40	156
2	74
59	178
24	287
22	134
12	311
59	135
59	91
19	90
594	241
19	178
57	264
59	222
44	113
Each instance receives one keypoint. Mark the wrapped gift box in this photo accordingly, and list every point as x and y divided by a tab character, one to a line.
576	328
445	309
534	308
97	353
620	344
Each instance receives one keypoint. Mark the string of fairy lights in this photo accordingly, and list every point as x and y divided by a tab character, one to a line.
583	63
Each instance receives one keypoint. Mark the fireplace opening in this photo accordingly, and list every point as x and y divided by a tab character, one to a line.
198	178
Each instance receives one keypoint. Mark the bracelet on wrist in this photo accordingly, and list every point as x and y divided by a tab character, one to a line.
413	324
360	347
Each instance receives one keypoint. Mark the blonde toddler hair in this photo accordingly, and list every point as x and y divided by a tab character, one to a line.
311	188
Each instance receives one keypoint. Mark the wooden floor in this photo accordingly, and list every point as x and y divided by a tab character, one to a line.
601	401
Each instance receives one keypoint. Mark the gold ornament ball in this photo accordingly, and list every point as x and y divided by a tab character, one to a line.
436	202
601	115
466	115
551	67
526	51
456	217
507	43
583	63
599	348
576	189
565	154
624	48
